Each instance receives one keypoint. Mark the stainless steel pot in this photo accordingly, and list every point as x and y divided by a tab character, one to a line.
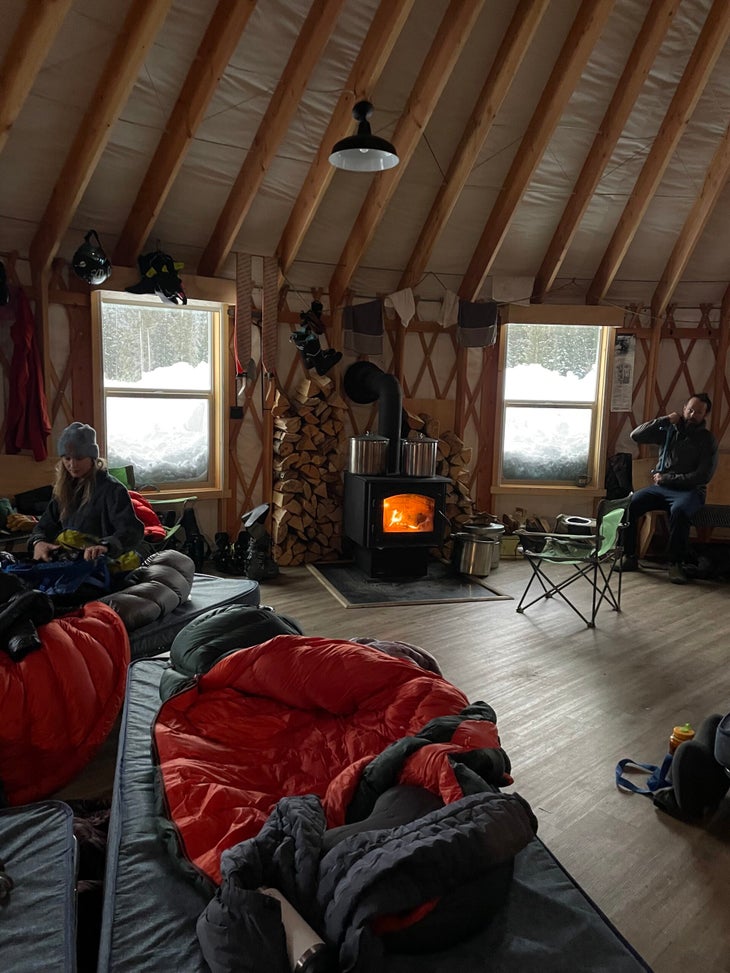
418	456
368	454
493	532
474	555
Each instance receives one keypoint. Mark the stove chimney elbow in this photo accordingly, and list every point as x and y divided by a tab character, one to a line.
364	382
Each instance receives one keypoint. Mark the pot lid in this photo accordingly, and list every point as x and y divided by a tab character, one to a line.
419	440
369	437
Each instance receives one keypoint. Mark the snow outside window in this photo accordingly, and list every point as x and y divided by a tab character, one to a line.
551	403
160	409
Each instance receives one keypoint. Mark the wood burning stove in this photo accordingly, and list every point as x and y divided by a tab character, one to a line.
392	521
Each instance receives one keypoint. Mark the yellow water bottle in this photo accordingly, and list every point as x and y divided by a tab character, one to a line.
679	735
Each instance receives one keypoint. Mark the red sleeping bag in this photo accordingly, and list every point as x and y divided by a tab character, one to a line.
60	702
153	529
295	715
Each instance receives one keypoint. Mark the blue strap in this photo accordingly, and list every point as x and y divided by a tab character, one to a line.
665	448
658	780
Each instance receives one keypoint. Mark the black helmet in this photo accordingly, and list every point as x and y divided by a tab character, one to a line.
90	263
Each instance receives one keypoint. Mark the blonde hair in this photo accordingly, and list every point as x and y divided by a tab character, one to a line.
73	493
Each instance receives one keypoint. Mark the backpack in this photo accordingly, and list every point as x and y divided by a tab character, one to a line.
618	482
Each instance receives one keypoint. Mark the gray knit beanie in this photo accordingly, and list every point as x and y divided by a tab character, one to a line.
78	440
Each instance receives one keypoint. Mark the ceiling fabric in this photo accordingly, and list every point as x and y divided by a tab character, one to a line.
62	92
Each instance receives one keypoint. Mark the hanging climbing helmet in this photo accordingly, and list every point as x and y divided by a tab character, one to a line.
90	263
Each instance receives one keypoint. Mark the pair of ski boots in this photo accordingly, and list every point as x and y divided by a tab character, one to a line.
250	554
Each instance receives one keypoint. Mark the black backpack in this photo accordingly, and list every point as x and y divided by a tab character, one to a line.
618	476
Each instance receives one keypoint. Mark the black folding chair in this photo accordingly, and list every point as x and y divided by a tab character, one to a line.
595	558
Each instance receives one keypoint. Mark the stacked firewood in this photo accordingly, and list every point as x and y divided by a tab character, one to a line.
452	460
308	464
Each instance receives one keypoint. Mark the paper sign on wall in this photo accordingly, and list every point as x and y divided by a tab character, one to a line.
622	387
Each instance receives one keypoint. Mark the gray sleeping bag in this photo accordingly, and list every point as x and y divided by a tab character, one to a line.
157	587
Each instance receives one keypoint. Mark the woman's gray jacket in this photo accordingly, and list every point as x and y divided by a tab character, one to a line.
108	516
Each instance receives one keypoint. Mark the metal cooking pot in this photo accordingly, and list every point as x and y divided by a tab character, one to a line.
482	531
474	555
418	456
368	454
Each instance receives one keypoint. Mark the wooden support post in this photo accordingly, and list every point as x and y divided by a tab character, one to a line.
269	347
718	388
487	425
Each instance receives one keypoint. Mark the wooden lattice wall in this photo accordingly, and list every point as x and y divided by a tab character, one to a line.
691	353
457	383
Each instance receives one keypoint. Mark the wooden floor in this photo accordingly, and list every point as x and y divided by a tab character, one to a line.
571	702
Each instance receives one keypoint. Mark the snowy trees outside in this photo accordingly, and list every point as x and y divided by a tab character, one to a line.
551	380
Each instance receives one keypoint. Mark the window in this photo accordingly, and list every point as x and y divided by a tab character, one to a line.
552	403
160	367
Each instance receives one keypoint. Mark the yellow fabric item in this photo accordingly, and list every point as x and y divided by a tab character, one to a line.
18	523
74	540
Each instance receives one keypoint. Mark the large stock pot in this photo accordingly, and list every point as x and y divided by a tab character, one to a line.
418	456
368	454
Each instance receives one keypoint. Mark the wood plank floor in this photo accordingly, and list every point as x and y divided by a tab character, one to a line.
571	702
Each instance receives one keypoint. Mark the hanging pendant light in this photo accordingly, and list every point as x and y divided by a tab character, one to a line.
363	152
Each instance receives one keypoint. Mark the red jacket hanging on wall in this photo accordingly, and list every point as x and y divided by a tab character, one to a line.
28	425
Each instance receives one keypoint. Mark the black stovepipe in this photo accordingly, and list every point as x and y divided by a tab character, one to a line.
363	383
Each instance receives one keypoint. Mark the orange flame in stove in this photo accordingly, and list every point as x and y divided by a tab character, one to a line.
405	513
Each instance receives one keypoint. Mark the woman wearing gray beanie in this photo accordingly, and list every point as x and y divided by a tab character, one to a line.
86	499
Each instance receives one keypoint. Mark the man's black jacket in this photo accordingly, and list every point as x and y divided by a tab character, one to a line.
688	455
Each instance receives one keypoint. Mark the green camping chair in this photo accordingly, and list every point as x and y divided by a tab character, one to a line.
170	510
594	558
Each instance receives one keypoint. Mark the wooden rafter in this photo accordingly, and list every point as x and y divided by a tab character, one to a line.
384	31
26	53
648	41
450	38
305	54
576	50
144	19
512	50
699	67
224	31
715	179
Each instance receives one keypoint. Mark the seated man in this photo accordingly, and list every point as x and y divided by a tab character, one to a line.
687	460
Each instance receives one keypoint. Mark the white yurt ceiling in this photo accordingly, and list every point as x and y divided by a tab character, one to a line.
562	150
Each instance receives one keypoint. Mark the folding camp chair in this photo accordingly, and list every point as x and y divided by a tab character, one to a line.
594	558
170	510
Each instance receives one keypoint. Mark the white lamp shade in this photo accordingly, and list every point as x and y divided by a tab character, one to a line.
363	152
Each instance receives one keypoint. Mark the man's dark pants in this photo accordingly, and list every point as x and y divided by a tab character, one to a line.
681	505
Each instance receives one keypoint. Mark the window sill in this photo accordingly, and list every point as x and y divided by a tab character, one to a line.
548	490
173	493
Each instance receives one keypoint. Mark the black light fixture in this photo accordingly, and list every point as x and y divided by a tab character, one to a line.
363	152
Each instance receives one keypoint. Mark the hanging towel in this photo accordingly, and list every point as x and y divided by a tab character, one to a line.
477	327
449	313
362	328
404	304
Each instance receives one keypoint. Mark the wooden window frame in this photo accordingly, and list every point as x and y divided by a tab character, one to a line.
214	486
547	316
